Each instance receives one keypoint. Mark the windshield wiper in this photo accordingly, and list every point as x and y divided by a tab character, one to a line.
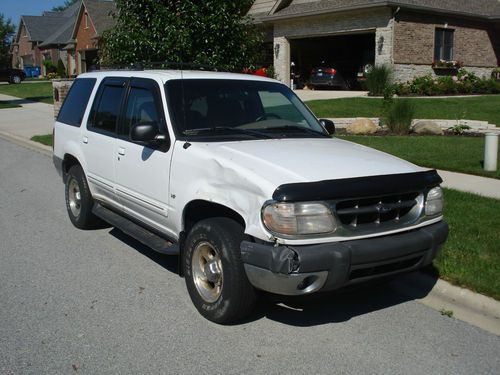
294	127
254	133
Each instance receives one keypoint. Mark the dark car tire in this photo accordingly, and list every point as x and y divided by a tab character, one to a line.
219	288
79	201
16	79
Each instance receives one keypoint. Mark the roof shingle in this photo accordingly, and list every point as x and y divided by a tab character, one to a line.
474	8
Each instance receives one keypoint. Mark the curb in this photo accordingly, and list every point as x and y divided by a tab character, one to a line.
474	308
466	305
27	143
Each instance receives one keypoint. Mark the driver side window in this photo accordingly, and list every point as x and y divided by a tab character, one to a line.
141	108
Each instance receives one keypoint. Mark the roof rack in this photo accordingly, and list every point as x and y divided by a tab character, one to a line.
144	65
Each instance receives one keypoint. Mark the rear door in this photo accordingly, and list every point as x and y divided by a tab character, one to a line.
142	170
99	139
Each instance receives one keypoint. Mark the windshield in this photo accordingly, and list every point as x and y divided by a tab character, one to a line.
228	109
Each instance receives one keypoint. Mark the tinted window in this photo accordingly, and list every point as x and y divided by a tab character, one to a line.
74	105
247	105
141	108
107	110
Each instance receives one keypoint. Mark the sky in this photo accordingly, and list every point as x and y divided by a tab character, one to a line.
14	9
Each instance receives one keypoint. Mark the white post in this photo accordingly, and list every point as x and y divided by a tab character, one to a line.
490	152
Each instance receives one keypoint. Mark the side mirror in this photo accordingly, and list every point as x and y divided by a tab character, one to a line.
328	125
145	132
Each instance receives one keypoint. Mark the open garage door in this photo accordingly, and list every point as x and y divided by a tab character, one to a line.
346	53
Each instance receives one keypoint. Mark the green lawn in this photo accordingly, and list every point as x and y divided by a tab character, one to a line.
4	104
484	108
471	256
458	154
44	139
39	92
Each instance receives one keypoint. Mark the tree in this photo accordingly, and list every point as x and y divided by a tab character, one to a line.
212	32
6	32
66	5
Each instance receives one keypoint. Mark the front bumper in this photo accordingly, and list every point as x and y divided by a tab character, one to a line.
296	270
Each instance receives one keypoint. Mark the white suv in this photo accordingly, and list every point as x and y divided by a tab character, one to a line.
234	174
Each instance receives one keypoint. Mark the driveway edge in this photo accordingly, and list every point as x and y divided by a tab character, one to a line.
26	143
464	304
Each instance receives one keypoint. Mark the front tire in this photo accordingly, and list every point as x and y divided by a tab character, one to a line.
215	278
79	201
15	79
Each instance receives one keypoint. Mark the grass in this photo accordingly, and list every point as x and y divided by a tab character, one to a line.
41	92
483	108
471	256
43	139
4	104
458	154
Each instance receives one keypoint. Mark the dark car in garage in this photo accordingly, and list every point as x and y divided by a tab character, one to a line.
11	75
328	76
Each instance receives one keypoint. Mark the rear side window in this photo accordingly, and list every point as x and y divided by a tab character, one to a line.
108	108
74	105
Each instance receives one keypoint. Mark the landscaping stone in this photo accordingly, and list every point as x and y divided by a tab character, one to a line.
362	126
427	127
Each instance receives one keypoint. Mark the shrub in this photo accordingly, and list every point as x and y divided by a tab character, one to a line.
378	79
400	114
61	69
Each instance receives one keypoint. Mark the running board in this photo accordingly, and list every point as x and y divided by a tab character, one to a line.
136	231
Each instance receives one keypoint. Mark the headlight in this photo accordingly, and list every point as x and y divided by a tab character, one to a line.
434	202
298	218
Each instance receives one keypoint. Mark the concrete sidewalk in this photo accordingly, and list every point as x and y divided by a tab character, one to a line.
38	119
32	118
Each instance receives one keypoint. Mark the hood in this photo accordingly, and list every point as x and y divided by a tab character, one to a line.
281	161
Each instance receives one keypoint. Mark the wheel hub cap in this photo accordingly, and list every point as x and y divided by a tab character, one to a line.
74	198
207	271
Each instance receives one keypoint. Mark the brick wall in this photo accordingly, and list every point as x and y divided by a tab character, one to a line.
414	40
60	88
26	47
376	20
85	35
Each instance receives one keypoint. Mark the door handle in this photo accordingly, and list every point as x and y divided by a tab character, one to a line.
121	151
85	140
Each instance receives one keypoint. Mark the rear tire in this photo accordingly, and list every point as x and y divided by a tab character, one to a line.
79	201
15	79
215	277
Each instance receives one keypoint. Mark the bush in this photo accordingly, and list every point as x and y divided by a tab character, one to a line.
400	114
378	79
61	69
463	83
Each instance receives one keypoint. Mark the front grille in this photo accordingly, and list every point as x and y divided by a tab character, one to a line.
371	213
399	265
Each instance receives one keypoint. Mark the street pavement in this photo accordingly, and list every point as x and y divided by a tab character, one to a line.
98	302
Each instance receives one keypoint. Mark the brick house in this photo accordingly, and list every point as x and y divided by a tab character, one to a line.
71	36
28	47
405	34
94	17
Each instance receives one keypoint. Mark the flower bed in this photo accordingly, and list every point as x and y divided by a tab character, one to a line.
462	83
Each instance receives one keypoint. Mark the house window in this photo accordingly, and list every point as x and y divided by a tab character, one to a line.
86	20
443	44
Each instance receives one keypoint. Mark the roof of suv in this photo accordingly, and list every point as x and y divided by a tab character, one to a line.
166	75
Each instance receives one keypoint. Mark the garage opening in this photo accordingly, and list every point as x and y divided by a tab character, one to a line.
347	54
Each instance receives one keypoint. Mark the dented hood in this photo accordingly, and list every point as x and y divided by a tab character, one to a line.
280	161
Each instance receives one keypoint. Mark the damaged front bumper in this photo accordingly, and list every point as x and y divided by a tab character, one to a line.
297	270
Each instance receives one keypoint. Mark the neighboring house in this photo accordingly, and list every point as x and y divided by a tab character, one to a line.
33	31
94	17
71	36
405	34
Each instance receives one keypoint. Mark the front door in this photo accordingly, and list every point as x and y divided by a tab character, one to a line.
142	171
